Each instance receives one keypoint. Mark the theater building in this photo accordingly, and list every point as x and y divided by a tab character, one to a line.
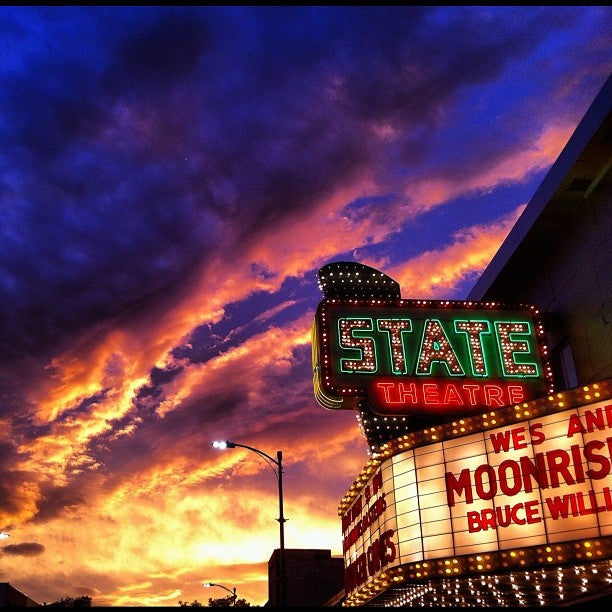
489	420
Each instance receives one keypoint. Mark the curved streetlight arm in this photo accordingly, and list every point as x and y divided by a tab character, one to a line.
228	444
213	584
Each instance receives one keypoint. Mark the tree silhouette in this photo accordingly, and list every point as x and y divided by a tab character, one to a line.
72	602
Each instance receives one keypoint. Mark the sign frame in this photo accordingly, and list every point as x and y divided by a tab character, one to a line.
427	357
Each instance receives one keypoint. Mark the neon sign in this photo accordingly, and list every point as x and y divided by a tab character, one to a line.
441	358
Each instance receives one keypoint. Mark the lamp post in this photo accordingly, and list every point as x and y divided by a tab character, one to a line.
232	591
278	462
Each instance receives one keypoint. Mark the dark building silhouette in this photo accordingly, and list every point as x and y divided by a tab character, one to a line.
313	577
10	597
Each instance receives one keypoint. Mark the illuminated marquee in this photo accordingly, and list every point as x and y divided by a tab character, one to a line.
427	357
501	485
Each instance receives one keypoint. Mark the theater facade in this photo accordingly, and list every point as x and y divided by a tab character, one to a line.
489	420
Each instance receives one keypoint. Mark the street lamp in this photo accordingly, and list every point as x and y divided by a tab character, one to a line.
4	535
212	584
278	462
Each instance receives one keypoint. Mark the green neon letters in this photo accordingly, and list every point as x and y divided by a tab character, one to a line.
455	348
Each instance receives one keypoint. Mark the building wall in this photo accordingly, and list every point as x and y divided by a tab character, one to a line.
567	276
313	577
579	288
558	256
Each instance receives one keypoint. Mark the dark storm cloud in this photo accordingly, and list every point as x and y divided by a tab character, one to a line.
139	139
56	501
95	219
10	480
159	56
25	549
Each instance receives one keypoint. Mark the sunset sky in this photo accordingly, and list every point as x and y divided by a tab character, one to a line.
172	179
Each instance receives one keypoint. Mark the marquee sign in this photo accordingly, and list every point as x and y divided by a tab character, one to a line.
415	357
524	478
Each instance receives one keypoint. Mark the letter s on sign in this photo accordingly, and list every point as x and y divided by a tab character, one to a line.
390	550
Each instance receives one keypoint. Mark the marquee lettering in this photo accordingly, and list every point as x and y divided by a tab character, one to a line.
380	553
551	469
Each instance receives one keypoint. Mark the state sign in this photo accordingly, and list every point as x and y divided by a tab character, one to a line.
440	358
